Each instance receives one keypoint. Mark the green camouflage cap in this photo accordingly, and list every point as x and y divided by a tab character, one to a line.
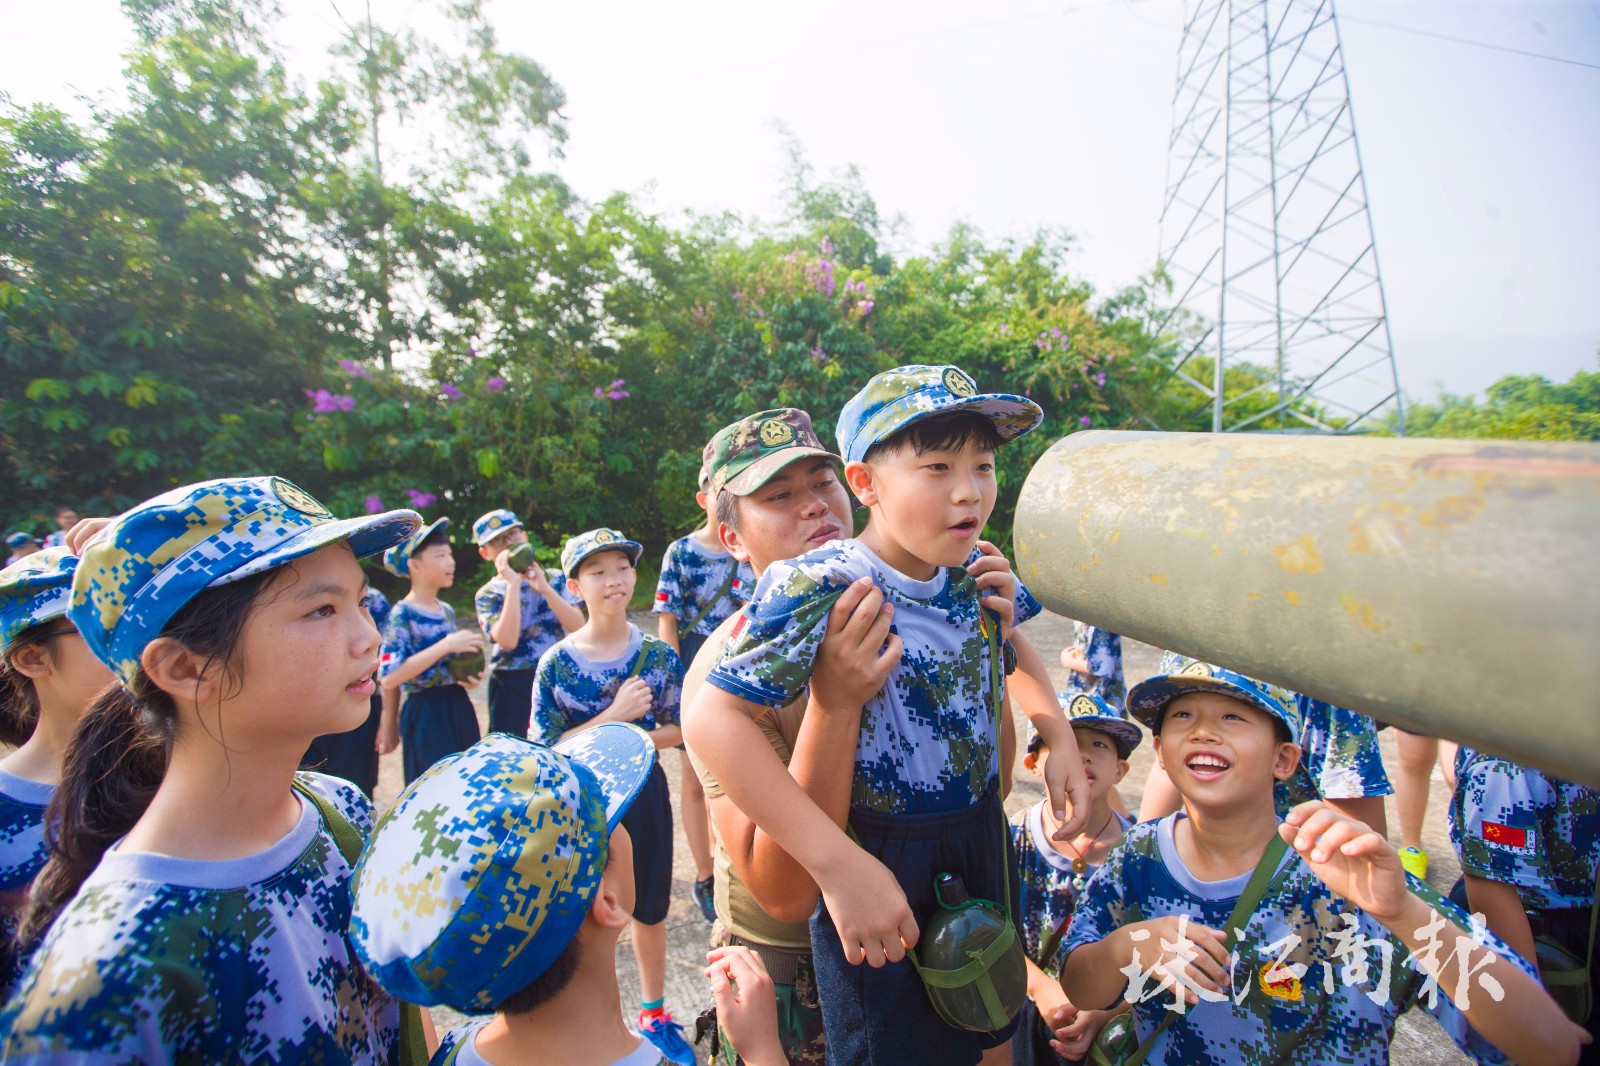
744	456
896	398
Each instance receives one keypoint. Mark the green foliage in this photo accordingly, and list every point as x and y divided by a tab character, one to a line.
1517	407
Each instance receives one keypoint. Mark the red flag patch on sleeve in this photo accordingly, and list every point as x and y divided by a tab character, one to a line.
662	597
1505	835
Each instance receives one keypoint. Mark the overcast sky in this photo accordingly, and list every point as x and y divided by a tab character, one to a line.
1482	166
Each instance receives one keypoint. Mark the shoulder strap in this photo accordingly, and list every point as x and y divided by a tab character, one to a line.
640	656
1249	900
716	598
413	1045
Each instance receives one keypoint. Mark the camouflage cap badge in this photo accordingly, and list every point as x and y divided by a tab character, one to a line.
494	524
579	548
33	591
479	876
397	560
1149	699
895	399
149	561
745	455
1092	712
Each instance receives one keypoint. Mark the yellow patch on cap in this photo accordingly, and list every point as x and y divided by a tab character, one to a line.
959	384
1279	982
1082	705
604	536
298	499
1197	670
496	522
774	433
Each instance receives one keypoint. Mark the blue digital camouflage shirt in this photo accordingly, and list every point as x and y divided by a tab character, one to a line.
930	739
540	626
1339	754
377	605
1275	1012
410	630
569	688
464	1037
1515	825
690	577
22	856
162	959
1044	877
1102	650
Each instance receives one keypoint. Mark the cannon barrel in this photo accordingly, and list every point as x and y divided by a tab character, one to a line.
1450	587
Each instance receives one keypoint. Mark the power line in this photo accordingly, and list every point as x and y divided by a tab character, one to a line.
1468	41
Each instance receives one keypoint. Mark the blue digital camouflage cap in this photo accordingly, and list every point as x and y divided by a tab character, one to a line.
397	560
1148	700
20	539
479	876
579	548
1091	712
494	524
33	591
895	399
149	561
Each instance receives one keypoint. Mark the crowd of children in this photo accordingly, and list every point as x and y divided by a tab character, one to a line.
199	690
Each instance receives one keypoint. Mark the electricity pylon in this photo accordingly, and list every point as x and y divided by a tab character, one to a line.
1265	230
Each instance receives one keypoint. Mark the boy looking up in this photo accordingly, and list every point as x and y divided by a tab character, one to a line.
701	585
919	448
436	715
1341	942
521	628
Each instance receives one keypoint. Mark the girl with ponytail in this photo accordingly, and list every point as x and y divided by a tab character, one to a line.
195	902
48	677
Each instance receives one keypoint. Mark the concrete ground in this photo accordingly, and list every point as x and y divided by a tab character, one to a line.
1418	1040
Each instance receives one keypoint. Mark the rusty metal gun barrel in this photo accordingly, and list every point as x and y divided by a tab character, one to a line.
1451	587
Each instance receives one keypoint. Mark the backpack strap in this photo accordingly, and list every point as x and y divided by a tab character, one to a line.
1254	891
716	598
413	1045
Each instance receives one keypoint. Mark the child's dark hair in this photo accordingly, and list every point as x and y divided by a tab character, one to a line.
946	432
438	536
19	703
119	752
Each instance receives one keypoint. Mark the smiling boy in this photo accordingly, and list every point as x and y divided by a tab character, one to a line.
1336	949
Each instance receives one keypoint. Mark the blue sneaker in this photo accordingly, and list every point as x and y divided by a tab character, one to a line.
706	897
667	1036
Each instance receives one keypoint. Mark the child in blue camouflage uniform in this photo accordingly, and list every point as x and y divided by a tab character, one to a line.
1094	662
1053	872
436	715
48	679
197	897
501	882
521	628
353	755
919	447
700	587
608	671
1337	947
1529	846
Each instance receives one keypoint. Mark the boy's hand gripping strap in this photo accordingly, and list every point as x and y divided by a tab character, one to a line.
413	1046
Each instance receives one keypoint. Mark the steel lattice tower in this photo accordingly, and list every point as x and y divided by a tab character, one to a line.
1265	230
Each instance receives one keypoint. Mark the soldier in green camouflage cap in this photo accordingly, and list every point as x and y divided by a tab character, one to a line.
744	456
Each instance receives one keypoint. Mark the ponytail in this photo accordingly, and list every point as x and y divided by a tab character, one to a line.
120	750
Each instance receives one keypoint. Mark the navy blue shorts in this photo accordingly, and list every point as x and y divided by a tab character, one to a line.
1031	1045
649	824
435	722
510	701
883	1016
352	755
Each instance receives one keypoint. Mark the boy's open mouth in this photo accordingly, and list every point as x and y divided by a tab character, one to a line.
967	527
1206	765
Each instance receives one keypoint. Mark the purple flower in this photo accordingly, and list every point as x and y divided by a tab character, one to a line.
450	392
1100	379
1055	331
374	504
866	308
1084	421
471	351
354	369
421	500
827	246
495	384
598	391
324	402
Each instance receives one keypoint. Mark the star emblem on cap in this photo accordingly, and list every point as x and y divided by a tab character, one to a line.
774	433
959	384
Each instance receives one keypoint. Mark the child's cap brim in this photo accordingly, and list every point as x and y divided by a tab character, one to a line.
620	756
1012	416
368	535
1148	699
1124	733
